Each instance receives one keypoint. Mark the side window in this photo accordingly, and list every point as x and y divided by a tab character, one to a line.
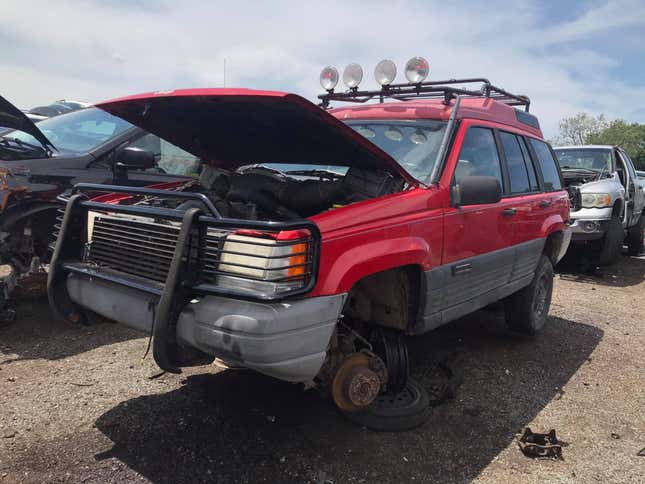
535	186
478	156
550	173
517	169
172	160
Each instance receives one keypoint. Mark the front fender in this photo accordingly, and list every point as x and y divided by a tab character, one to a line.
24	210
352	265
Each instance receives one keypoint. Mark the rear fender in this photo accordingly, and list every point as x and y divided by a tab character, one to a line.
354	264
553	223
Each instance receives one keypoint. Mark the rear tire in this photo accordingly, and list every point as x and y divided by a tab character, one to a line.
527	310
612	243
635	237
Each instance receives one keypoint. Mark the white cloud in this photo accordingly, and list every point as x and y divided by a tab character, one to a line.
98	50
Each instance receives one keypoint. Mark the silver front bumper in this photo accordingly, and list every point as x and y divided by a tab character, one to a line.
285	340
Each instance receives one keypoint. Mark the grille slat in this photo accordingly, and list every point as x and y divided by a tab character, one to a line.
99	235
134	247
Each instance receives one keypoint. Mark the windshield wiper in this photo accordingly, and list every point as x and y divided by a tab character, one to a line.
316	172
22	144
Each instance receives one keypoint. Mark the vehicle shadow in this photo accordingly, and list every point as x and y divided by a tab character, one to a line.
238	426
627	271
30	336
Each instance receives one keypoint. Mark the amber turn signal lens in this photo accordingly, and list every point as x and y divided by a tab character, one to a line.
298	260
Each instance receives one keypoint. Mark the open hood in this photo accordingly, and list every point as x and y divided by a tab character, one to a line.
230	128
13	118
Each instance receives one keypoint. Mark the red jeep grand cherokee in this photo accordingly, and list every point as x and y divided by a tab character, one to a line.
314	239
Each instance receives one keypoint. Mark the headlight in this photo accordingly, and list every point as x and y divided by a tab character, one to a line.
265	264
596	200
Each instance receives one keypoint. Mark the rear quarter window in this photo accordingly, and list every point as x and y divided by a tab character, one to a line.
548	166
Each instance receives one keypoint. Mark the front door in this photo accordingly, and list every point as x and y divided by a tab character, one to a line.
478	255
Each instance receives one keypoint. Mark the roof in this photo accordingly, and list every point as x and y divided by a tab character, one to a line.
582	147
474	108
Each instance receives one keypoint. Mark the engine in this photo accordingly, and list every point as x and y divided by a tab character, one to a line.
260	193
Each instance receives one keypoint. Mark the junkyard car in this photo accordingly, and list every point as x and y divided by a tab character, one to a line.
607	200
318	238
37	163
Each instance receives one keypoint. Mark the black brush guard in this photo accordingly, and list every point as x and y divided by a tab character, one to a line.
180	284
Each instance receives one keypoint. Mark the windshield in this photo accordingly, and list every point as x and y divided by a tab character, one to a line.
414	145
77	132
584	158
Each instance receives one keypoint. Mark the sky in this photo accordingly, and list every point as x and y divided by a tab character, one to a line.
567	56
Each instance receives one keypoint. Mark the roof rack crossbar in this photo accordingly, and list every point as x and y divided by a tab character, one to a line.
430	90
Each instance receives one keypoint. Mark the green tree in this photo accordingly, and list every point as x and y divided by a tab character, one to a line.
576	130
629	136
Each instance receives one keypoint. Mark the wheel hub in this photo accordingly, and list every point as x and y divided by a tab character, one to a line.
355	384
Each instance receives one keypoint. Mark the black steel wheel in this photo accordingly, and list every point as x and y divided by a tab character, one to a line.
390	346
527	310
396	412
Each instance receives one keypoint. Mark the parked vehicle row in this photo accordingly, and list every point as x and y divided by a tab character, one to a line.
305	242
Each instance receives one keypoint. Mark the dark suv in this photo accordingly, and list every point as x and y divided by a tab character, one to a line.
38	162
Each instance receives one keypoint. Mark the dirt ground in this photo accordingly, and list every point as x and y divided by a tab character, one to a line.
79	404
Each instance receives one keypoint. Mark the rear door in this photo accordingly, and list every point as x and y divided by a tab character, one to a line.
528	202
478	254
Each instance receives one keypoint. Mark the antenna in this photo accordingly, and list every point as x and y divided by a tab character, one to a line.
224	71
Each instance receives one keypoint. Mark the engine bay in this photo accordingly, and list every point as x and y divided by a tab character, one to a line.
264	193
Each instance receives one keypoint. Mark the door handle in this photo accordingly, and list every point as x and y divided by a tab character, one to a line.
544	203
461	268
509	212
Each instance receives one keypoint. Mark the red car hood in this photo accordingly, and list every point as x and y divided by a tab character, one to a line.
230	128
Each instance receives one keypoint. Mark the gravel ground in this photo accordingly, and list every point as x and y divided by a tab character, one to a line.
79	404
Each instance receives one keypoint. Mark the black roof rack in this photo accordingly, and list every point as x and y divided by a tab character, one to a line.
429	90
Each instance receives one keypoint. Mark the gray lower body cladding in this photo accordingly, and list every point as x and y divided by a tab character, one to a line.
459	288
285	340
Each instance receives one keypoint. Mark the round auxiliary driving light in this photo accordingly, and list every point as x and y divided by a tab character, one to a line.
416	70
352	75
329	78
385	72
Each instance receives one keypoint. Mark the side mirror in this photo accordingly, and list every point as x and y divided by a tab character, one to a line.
476	190
131	158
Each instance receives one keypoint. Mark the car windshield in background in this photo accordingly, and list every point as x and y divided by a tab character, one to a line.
585	159
77	132
413	145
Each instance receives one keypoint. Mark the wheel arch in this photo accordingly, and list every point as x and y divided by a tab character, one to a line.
389	298
553	245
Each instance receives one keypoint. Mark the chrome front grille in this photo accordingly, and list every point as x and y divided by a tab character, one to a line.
133	246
